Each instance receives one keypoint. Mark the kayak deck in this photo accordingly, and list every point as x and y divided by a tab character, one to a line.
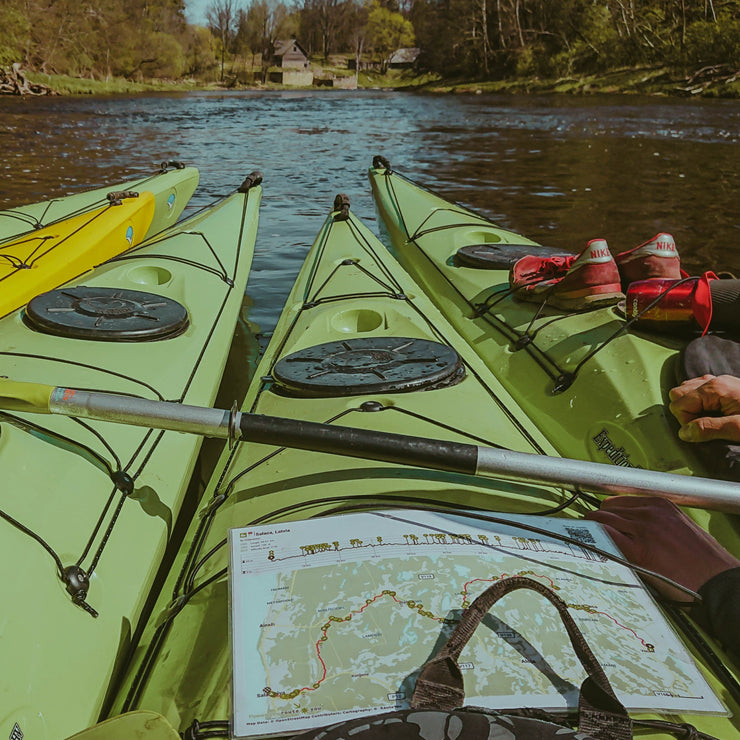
57	254
89	507
172	186
595	387
331	360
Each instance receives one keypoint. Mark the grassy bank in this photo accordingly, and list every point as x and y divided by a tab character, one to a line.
642	81
65	85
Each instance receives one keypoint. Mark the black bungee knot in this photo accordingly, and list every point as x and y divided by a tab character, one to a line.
372	406
341	206
349	261
689	731
250	181
563	382
116	197
522	342
381	163
192	732
176	164
400	296
77	583
123	482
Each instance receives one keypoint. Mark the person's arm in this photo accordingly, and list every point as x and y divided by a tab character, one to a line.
720	608
707	408
656	534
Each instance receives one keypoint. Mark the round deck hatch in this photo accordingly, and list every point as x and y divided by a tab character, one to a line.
369	365
501	256
106	314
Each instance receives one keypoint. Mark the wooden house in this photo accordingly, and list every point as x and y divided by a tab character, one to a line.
289	54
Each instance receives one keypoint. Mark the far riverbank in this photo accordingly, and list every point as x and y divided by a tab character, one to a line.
709	82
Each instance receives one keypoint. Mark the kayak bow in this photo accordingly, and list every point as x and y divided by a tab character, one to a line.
88	508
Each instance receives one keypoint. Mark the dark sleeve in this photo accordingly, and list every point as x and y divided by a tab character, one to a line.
720	610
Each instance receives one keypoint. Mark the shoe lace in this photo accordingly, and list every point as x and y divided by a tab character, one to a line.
547	268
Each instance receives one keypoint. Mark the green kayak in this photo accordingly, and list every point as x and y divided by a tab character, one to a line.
358	345
172	186
596	391
88	508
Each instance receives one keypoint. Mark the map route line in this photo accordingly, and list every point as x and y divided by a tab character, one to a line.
419	608
580	607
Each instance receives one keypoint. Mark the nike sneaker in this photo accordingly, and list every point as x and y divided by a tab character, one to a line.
657	258
577	282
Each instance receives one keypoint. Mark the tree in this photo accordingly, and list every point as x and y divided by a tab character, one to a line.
387	31
199	51
262	24
323	22
222	19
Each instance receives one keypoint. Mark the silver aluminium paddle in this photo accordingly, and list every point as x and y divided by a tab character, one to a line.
366	444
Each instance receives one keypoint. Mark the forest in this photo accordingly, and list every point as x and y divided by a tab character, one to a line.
477	39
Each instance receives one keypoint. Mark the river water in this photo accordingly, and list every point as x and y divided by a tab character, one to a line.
561	170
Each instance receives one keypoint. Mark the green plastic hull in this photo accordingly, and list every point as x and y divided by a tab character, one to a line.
615	410
349	288
172	190
64	493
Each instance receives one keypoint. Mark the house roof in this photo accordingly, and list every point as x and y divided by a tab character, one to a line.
281	47
404	56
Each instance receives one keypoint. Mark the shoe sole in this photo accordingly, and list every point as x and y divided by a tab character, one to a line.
572	301
589	301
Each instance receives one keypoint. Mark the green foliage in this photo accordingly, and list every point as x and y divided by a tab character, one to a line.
200	51
387	31
163	57
709	43
15	34
476	39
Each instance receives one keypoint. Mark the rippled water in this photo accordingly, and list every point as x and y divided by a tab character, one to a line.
561	170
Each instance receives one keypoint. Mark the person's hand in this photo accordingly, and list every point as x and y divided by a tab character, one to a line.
655	534
707	408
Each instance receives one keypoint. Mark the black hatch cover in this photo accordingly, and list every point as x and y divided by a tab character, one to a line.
106	314
369	365
502	256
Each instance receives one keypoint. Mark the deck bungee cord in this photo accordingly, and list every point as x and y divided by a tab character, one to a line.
393	290
183	656
562	378
39	222
76	577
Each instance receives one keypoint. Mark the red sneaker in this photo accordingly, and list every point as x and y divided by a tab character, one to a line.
657	258
588	280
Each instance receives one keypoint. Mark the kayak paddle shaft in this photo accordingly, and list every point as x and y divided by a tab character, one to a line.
396	448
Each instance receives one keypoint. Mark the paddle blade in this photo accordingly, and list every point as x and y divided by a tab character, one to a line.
30	397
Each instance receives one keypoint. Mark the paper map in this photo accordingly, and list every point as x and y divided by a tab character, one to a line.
332	617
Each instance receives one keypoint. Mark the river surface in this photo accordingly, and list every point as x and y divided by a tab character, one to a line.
561	170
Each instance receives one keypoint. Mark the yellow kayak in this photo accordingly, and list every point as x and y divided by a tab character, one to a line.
56	254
